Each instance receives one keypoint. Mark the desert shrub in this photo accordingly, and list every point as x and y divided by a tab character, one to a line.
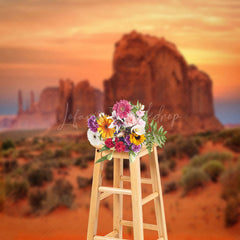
170	150
109	170
11	152
9	165
170	186
164	169
40	146
199	160
7	144
172	164
193	178
234	142
231	213
37	177
213	169
188	147
226	134
63	162
24	153
46	154
36	199
231	183
16	189
18	171
83	182
65	152
84	148
64	192
80	161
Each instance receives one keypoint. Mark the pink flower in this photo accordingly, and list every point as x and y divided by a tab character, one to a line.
130	120
140	113
122	108
141	122
120	147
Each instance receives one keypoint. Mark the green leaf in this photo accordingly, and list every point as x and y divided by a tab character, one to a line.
132	156
104	148
106	157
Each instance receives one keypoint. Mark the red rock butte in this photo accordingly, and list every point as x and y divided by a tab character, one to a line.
153	71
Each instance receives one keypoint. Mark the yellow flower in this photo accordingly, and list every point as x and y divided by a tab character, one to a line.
137	139
104	130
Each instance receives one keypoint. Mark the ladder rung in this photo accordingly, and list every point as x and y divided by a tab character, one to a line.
149	198
112	234
106	238
145	225
115	190
143	180
104	195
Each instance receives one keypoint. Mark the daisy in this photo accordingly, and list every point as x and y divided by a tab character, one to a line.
94	138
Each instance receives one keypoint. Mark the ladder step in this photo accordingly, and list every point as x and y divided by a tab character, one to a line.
107	238
115	190
143	180
145	225
149	198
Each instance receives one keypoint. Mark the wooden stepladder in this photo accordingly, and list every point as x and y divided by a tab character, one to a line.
100	192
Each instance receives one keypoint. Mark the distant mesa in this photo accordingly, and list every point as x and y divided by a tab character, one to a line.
145	68
153	71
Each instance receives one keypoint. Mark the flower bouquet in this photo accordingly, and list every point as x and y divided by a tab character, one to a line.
126	130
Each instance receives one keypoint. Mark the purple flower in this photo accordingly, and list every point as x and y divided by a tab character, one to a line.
136	148
127	140
92	123
126	148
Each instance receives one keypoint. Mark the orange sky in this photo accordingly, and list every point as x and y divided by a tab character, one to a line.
44	40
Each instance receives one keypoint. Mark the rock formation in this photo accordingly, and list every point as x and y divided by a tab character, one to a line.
77	102
39	115
153	71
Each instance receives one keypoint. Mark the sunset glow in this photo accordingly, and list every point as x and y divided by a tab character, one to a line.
43	41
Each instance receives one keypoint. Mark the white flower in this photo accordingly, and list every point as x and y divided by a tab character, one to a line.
140	113
94	138
101	114
138	129
130	120
141	122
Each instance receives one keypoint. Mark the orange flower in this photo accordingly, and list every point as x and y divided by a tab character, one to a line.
104	130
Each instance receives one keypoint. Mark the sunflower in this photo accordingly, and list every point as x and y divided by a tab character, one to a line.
137	139
104	130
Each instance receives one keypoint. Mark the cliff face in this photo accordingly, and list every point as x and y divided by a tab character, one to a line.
154	72
77	102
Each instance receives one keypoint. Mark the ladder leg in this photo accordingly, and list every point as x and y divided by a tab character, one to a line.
158	202
94	205
117	198
136	199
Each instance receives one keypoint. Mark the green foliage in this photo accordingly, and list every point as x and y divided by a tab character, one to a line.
16	189
46	154
199	160
234	142
7	144
170	186
170	150
231	213
36	199
24	153
62	153
64	191
193	178
154	135
231	183
213	169
37	177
